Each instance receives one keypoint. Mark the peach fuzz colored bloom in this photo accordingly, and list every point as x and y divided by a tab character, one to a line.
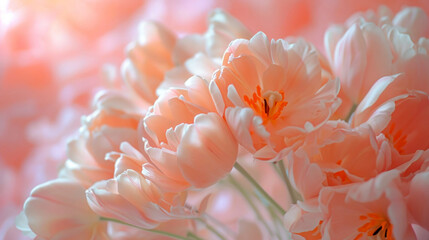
375	208
406	129
58	210
416	199
201	54
158	59
385	96
398	115
149	57
370	46
389	170
357	155
345	156
131	198
304	221
187	144
114	122
264	93
305	18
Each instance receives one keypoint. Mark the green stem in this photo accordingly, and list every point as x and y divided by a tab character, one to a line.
211	228
191	234
215	221
259	188
250	202
274	218
145	229
292	193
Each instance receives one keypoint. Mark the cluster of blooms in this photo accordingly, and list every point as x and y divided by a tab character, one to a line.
216	135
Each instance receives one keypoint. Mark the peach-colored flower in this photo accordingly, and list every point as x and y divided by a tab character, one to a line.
374	172
374	208
58	210
344	156
417	197
264	90
186	143
379	207
304	220
201	55
371	46
407	127
159	59
306	18
115	121
397	112
382	213
149	57
131	198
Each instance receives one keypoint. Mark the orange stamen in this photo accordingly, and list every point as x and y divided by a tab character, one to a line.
376	226
261	105
313	234
337	178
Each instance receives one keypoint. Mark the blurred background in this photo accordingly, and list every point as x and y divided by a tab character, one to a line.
56	54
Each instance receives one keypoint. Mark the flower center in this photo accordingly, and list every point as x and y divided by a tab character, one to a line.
268	106
337	178
376	226
398	139
313	234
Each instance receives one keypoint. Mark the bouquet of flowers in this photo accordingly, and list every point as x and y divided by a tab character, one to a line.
231	134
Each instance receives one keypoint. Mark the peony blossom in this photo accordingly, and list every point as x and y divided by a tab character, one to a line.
186	143
350	157
148	59
263	90
201	55
159	59
103	132
133	199
402	125
418	192
384	216
372	45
